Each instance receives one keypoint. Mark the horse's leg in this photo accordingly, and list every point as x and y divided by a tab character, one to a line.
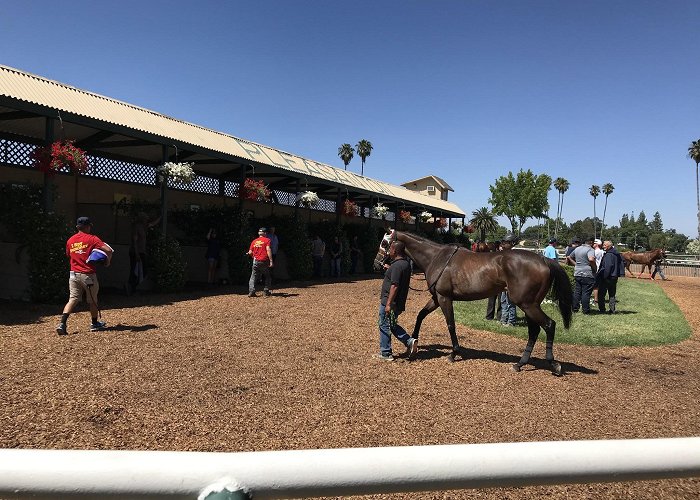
448	311
533	331
537	318
427	309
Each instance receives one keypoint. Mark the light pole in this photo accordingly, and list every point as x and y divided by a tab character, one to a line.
635	242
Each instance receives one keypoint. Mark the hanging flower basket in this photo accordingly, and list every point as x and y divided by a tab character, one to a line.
308	199
350	208
405	216
59	155
179	172
255	190
380	210
440	223
425	216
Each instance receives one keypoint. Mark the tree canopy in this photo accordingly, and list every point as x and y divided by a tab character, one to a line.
520	197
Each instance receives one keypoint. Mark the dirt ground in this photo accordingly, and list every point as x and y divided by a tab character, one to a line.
214	370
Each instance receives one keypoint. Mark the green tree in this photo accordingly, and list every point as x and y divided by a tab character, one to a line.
520	198
364	149
561	185
656	225
607	191
483	221
595	192
694	154
346	153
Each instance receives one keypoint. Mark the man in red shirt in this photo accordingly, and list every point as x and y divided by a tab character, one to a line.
262	262
83	279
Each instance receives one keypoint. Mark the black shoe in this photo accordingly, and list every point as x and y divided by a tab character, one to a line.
252	294
61	329
267	293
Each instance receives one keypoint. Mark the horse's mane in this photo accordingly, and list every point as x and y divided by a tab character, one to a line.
431	242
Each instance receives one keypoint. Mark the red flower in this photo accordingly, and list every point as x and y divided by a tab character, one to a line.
405	216
60	154
255	190
350	208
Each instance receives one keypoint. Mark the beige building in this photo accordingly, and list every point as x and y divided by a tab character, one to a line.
431	185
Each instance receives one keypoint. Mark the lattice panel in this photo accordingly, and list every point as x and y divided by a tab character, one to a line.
231	189
115	170
15	153
200	184
325	205
285	198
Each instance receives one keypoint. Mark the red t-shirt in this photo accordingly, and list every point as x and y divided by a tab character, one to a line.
259	248
78	248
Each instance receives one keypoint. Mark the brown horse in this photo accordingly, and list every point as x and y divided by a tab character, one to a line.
455	273
646	259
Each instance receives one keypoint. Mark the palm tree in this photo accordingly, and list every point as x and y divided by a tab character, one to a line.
607	191
694	154
483	221
364	149
561	185
346	153
595	192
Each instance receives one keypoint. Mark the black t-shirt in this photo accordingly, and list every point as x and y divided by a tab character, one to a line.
399	274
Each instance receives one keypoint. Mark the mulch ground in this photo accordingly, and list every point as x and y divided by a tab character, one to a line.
218	371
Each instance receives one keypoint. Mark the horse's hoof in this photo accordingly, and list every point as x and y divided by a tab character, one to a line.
556	368
515	367
451	358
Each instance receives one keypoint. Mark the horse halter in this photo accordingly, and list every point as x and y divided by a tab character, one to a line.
384	245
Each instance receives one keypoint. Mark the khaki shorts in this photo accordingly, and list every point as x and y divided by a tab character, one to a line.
80	283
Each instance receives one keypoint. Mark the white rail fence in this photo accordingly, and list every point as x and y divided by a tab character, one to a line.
88	474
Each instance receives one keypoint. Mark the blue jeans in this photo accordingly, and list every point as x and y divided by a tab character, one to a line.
335	266
507	309
582	293
385	331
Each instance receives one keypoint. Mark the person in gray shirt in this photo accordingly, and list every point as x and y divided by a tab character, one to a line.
583	260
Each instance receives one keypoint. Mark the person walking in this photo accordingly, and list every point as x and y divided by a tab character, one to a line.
658	269
393	302
612	267
583	260
82	278
262	262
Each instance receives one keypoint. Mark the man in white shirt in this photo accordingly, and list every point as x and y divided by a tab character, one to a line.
598	252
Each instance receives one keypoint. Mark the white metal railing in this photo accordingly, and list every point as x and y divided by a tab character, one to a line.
357	471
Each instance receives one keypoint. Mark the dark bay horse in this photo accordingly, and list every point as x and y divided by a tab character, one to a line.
455	273
646	259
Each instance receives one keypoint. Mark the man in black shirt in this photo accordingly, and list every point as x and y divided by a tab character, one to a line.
393	302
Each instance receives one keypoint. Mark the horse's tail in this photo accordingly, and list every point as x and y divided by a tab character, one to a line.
562	290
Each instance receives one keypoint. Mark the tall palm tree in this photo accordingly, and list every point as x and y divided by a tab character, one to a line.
364	149
607	191
694	154
561	185
346	153
595	192
483	221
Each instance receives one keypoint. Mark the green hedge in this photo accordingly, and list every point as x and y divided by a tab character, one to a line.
42	235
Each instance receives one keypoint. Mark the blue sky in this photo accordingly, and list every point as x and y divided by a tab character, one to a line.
596	91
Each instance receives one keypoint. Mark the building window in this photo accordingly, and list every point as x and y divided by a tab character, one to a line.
431	189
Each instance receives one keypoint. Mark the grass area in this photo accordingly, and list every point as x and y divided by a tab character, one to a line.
645	317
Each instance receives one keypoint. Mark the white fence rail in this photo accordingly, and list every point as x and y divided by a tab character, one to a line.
52	474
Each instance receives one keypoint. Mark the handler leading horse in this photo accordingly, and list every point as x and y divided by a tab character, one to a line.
455	273
646	259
